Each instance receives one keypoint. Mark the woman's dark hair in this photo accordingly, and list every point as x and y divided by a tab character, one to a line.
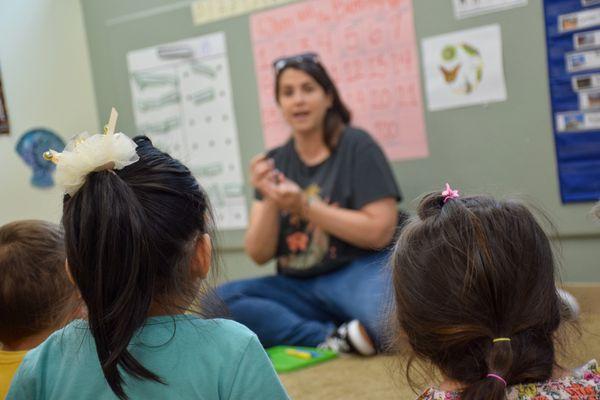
467	272
338	114
130	235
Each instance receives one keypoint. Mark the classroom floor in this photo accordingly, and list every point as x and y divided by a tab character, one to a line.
354	378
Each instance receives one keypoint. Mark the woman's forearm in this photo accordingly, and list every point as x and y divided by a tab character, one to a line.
261	237
372	227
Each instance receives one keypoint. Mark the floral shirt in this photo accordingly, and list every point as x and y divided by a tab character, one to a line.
584	384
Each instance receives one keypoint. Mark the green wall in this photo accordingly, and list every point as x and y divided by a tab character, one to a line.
502	148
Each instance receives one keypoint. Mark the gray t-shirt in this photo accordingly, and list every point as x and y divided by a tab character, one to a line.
355	174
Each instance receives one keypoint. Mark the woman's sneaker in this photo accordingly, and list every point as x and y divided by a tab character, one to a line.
351	337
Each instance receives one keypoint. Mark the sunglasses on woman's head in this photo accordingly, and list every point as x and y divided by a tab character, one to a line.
283	62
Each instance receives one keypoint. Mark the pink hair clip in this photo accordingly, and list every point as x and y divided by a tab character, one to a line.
450	193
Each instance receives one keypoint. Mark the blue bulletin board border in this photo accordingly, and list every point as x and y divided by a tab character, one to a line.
577	139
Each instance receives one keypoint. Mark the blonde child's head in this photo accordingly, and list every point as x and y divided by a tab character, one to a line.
36	296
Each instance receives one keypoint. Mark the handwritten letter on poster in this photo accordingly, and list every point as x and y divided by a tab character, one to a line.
369	48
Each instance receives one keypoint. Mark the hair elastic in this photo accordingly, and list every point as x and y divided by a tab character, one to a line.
498	378
450	193
501	339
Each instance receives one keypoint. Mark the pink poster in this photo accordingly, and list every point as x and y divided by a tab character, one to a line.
369	48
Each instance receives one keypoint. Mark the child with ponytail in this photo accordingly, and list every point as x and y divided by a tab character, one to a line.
476	298
138	242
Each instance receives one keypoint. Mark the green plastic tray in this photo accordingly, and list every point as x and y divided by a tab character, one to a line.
284	362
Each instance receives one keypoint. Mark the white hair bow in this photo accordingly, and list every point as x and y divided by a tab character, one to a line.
85	154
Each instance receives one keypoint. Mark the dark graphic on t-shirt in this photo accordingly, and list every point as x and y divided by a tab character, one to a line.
307	243
355	174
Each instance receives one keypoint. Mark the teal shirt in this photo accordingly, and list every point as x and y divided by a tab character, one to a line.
198	359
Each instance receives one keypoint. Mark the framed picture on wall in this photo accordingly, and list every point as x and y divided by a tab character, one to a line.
3	113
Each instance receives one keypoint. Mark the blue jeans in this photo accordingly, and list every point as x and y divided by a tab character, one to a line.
304	311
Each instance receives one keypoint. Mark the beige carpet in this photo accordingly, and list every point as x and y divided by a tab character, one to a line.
353	378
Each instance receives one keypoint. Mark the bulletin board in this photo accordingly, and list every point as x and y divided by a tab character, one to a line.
573	42
500	148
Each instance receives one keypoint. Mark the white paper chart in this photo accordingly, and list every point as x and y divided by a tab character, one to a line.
182	100
471	8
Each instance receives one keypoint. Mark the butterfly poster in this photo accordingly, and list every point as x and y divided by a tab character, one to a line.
464	68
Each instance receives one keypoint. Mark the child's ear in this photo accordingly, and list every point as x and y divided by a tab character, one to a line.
202	257
68	270
79	310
